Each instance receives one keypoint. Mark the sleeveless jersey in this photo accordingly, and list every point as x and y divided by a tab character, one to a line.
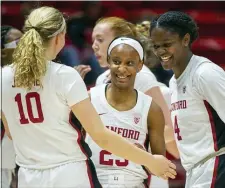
131	124
198	110
39	120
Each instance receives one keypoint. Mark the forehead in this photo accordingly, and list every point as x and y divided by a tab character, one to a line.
124	50
13	34
102	29
159	34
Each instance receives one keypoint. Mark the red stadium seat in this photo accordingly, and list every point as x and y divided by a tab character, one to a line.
210	43
208	17
10	8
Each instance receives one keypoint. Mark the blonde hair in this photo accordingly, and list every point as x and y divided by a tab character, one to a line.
143	30
119	26
29	56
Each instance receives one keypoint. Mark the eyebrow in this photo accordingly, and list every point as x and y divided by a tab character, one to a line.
168	40
96	36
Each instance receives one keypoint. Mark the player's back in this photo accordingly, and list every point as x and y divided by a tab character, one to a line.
39	119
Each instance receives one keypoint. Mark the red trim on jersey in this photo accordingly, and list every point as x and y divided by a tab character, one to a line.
89	175
215	172
79	135
149	180
146	145
213	127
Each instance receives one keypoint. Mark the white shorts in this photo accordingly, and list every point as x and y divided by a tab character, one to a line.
121	181
72	175
123	186
157	182
210	174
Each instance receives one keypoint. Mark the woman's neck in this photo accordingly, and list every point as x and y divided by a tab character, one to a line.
121	99
181	66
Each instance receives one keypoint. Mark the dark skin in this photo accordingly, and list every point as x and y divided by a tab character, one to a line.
170	44
125	62
6	53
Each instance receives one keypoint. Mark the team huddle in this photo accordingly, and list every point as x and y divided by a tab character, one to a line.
115	135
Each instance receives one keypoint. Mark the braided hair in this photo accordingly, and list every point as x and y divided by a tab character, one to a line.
4	31
177	22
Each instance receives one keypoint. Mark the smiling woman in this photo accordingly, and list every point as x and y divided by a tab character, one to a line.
125	57
169	35
128	112
107	29
197	100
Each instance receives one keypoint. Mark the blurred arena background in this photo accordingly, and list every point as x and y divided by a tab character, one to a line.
209	15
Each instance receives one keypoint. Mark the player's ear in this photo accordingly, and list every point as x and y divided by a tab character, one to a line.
186	40
140	65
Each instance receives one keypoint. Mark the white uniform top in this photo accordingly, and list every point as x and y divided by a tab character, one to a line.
144	81
39	120
131	124
198	110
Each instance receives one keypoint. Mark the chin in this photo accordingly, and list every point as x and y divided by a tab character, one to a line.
122	86
102	64
166	66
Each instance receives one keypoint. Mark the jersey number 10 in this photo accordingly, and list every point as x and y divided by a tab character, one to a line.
23	119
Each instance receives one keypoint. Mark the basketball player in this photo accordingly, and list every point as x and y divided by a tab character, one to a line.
38	96
105	30
197	101
129	113
9	39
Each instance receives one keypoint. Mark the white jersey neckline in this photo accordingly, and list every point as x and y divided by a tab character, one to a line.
103	94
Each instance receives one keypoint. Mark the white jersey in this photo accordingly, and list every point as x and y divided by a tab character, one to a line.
198	110
144	80
39	120
132	125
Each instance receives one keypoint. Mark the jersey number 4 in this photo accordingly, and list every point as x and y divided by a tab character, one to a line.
110	162
35	97
176	129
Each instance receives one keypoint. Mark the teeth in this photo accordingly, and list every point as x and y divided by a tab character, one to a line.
166	58
121	76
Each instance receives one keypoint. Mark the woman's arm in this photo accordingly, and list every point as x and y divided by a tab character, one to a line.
119	146
162	99
159	99
156	126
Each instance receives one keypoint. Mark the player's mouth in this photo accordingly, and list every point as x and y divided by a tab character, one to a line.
98	56
122	78
165	60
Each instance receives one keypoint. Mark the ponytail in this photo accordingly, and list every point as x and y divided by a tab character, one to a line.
28	60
